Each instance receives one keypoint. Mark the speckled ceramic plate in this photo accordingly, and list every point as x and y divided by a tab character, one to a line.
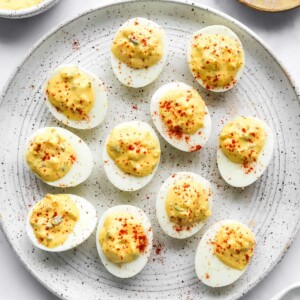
28	12
270	206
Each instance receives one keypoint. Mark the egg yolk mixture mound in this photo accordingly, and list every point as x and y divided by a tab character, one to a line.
138	46
187	202
216	60
182	111
18	4
234	245
70	91
50	156
53	219
134	151
122	238
242	139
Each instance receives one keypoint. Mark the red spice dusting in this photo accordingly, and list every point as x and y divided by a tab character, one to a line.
134	107
158	247
158	252
75	45
46	157
207	276
178	228
176	132
143	242
144	41
73	158
195	148
248	168
140	238
122	232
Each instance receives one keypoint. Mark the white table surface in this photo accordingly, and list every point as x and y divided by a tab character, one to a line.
281	32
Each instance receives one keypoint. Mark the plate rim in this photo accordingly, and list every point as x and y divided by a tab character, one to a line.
188	3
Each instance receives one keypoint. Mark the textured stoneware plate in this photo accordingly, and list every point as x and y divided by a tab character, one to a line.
289	293
28	12
270	206
272	5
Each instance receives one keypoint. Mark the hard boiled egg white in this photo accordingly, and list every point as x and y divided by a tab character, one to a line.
137	78
209	268
172	229
184	142
83	165
116	176
235	174
132	268
83	229
98	111
221	30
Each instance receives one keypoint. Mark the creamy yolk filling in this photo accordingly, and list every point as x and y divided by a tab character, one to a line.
134	151
138	46
182	110
18	4
122	238
216	60
242	139
50	156
234	245
187	202
71	92
53	219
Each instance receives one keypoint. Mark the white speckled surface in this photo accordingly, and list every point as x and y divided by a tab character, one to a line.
13	293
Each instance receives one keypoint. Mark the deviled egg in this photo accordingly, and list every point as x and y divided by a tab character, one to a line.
216	58
138	52
224	252
58	157
60	222
76	97
124	240
245	150
131	155
18	4
181	116
183	204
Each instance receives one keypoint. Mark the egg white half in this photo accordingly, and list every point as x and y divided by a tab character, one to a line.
116	176
82	230
81	168
234	173
221	30
137	78
130	269
210	269
187	142
163	219
98	111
